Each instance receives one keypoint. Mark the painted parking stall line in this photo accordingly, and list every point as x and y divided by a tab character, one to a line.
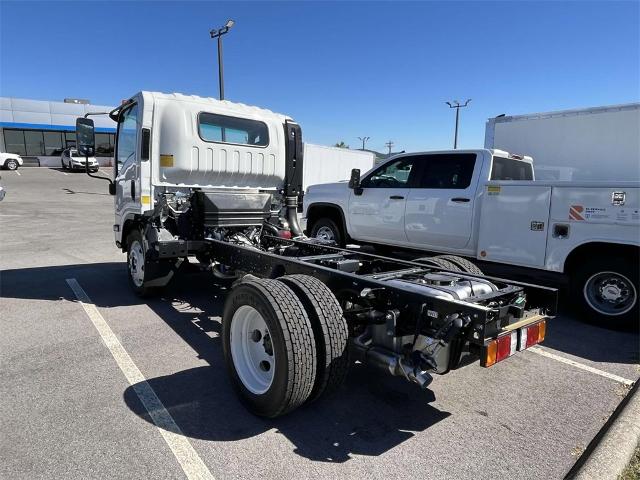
582	366
191	463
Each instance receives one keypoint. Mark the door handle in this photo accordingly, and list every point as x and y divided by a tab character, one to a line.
460	200
133	189
396	197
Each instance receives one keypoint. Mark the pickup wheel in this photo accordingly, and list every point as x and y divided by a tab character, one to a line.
329	329
439	262
464	264
606	293
327	229
268	346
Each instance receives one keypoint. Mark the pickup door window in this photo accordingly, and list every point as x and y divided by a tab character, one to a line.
377	214
439	209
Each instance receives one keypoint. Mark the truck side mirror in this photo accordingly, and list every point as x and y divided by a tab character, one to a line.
354	181
85	137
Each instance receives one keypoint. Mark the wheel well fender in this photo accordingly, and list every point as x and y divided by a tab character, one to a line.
129	225
591	250
326	210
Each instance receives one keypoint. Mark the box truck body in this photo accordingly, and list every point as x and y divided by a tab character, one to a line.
332	164
592	144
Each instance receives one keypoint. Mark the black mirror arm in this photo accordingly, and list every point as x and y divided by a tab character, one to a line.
86	164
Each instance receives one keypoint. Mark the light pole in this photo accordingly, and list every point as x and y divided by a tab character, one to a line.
456	104
217	33
363	140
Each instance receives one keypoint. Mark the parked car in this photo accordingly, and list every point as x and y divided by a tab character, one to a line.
486	204
72	160
10	161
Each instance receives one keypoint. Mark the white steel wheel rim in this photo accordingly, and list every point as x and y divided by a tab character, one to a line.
610	293
12	164
325	233
136	263
252	350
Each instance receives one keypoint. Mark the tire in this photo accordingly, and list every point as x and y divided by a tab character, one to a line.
284	378
327	229
439	262
329	329
153	274
605	292
464	264
11	164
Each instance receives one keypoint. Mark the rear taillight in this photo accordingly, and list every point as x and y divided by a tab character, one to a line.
509	343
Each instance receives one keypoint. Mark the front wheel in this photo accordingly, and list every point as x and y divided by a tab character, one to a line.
327	229
606	293
11	164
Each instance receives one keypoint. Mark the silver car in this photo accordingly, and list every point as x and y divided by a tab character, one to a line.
72	160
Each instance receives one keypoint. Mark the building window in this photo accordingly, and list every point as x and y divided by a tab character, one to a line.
70	139
224	129
34	142
14	142
52	143
104	145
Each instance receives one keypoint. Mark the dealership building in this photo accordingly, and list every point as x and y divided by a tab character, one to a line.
40	130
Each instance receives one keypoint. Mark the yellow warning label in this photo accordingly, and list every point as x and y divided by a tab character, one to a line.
166	160
145	199
493	189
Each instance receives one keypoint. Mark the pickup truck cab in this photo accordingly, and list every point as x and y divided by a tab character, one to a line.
487	205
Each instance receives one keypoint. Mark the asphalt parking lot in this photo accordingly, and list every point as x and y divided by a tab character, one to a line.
68	410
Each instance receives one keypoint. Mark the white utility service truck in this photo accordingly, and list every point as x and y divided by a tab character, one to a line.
221	181
486	204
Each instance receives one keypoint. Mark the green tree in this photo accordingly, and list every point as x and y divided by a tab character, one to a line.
341	144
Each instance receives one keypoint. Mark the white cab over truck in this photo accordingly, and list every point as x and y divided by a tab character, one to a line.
221	182
332	164
486	204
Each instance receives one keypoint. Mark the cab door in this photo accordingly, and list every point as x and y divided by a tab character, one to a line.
127	166
376	212
439	211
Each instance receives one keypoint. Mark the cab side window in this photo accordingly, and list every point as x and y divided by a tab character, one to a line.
393	175
127	136
452	171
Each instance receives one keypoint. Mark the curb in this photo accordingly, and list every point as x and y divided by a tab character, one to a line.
611	449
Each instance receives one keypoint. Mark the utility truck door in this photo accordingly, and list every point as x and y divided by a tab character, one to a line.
376	209
127	166
440	208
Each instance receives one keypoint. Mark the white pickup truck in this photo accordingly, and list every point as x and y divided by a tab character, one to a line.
487	205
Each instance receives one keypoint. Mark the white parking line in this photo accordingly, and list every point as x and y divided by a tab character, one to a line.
18	173
191	463
611	376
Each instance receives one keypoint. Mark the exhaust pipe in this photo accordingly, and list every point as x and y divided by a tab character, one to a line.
291	204
391	363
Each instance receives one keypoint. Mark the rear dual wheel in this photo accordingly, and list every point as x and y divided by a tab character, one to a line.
453	263
284	342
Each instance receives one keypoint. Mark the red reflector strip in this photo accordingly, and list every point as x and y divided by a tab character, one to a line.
504	347
532	335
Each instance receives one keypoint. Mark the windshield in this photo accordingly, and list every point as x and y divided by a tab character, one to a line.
511	169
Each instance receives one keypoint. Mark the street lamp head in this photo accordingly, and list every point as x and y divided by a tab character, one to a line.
230	23
449	103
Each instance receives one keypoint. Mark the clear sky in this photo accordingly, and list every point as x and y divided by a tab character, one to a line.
341	69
